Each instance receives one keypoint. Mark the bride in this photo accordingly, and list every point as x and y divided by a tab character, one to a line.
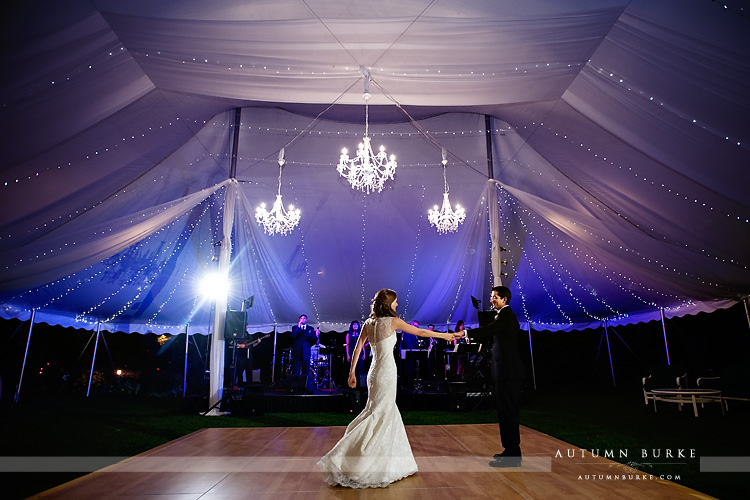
375	451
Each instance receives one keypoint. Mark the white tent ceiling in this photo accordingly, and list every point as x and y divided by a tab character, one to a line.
619	132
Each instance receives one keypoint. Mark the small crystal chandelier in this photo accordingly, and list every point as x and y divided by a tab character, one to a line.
367	171
446	220
277	220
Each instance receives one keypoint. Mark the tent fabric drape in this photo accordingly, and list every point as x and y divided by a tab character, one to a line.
620	143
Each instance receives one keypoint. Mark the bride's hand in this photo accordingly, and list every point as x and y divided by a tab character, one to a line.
352	381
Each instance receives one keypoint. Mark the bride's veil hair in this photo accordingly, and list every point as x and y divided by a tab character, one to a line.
381	304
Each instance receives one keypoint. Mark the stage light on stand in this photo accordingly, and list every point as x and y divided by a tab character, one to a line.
214	285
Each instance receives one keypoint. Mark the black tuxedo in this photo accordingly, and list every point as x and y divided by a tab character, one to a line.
508	373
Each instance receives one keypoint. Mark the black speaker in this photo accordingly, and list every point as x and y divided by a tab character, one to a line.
456	398
234	325
253	400
295	384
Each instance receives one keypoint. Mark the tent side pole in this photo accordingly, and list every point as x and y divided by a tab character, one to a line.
93	359
609	351
664	330
25	355
273	362
184	375
531	350
747	310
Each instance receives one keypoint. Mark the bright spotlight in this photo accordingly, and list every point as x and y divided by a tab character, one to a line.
214	285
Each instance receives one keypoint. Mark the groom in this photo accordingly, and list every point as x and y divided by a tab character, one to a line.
507	372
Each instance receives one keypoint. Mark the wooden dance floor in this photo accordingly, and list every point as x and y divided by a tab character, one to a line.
279	463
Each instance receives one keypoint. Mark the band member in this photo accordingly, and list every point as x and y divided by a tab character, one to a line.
462	361
245	360
304	336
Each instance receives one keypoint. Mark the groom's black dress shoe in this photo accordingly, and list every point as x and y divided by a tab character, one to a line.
504	461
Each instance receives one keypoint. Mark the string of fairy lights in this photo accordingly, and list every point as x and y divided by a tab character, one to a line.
646	260
159	261
243	63
257	263
693	200
185	274
648	229
409	286
242	68
411	278
307	267
543	252
665	187
593	263
649	97
109	266
363	305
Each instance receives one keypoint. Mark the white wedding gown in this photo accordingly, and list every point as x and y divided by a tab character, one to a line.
374	451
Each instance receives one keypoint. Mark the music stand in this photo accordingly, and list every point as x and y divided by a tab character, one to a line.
468	348
464	353
416	355
486	317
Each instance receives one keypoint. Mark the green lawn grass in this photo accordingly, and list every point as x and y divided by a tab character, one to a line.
593	419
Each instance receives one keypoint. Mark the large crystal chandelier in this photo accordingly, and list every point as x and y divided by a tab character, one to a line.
367	171
446	220
277	220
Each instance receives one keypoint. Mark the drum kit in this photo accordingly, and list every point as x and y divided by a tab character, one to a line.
320	366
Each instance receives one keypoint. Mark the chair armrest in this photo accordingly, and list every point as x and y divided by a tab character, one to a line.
706	379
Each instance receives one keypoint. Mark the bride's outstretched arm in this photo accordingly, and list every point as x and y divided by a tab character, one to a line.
402	325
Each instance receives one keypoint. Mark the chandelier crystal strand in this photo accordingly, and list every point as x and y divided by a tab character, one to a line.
367	171
446	220
278	220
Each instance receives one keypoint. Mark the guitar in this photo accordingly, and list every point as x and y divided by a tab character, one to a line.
252	343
